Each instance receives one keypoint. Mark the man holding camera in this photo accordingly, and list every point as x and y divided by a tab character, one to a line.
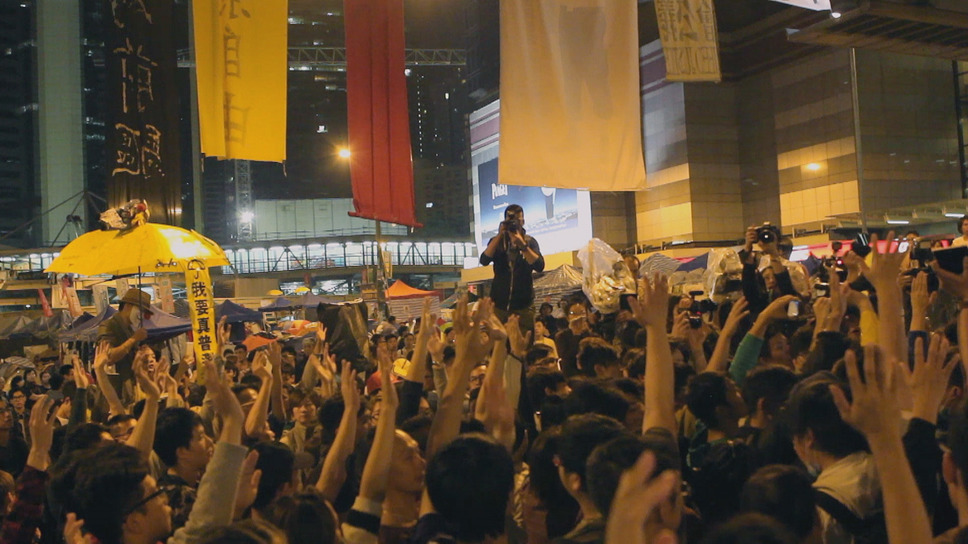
766	273
515	256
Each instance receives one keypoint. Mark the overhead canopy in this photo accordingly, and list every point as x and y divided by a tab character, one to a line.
554	284
399	289
236	313
310	300
279	305
406	302
87	330
162	326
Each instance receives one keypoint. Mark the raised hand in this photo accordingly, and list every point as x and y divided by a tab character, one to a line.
248	484
929	379
222	333
80	375
140	335
737	313
496	330
390	398
873	409
348	387
469	344
226	404
260	365
652	305
885	264
41	425
956	284
144	379
519	342
637	496
274	352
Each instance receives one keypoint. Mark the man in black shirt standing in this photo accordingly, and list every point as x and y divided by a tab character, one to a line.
515	256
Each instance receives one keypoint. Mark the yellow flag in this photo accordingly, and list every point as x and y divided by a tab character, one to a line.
570	105
242	65
690	39
201	305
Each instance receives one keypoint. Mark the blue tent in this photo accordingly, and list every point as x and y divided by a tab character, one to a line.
87	330
701	261
281	304
163	326
236	313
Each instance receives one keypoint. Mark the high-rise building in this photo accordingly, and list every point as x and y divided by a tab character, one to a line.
19	199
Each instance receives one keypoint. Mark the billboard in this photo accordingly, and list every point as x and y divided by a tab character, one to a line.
560	219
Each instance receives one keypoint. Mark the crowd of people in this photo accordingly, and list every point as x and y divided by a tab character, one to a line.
671	421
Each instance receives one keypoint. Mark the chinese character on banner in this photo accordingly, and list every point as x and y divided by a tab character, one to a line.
201	304
165	294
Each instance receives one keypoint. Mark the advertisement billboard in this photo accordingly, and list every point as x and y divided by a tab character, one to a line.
560	219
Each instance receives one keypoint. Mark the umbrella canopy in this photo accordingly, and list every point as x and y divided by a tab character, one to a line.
147	248
236	313
402	290
256	341
281	304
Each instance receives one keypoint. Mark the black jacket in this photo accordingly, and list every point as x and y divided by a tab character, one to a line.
513	287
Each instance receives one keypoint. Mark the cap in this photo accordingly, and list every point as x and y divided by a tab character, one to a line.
137	297
375	382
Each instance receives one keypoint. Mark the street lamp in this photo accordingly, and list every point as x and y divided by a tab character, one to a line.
344	153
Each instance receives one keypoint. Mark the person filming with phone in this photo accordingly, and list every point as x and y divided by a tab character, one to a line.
515	256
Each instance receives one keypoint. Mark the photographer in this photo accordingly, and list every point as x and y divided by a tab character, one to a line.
763	284
515	256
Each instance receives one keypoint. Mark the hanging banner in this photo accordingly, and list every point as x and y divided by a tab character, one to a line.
64	295
142	148
381	167
570	106
201	306
690	41
165	295
241	63
44	304
101	298
121	286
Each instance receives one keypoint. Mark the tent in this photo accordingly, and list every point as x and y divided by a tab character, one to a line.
554	284
406	302
14	326
309	300
236	313
281	304
86	331
164	326
45	327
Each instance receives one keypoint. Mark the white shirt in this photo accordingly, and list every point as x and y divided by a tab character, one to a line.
959	241
854	482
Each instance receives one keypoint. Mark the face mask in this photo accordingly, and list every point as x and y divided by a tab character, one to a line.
135	320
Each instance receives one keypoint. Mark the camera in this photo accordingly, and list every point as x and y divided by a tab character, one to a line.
512	222
698	308
767	233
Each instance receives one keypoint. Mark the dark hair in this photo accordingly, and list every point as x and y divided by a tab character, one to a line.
289	349
580	435
540	379
56	381
536	353
588	397
120	418
634	389
107	483
249	531
252	381
962	222
299	395
69	389
175	429
513	209
705	393
276	462
595	351
304	518
64	370
471	470
634	361
84	436
608	461
772	383
20	390
418	427
784	493
811	407
751	528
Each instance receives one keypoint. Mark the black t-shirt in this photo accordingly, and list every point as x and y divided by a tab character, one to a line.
513	287
566	343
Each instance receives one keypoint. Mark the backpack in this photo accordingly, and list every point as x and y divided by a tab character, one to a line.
870	530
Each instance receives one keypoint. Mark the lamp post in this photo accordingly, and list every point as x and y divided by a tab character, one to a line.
345	154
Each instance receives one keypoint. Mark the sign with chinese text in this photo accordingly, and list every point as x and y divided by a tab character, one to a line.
101	297
201	306
143	154
690	40
64	295
165	294
241	61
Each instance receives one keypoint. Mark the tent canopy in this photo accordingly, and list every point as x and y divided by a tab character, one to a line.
279	305
399	289
236	313
554	284
88	329
163	326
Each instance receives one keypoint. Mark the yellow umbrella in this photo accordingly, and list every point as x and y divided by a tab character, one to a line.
147	248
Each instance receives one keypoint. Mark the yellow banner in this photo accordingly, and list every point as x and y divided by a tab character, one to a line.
241	66
690	40
201	305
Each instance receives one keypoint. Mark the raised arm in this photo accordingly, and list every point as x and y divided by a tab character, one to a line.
748	351
334	467
143	435
115	407
115	354
373	483
957	285
720	357
255	421
493	407
874	411
276	403
470	349
884	270
650	311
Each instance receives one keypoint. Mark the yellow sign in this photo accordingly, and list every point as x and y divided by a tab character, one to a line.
241	59
201	305
690	40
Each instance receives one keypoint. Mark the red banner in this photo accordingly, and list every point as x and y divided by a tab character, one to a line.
44	304
381	167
